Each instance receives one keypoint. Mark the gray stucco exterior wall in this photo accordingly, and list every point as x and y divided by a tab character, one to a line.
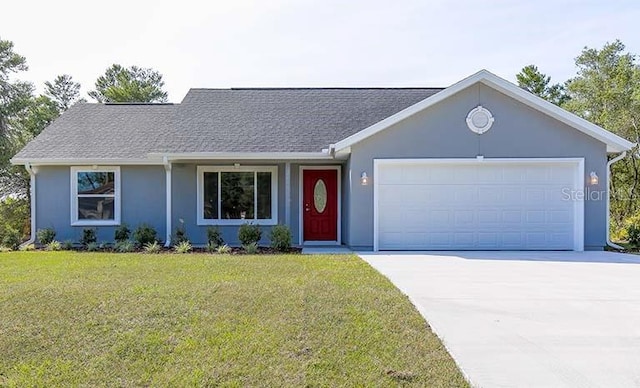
441	132
143	200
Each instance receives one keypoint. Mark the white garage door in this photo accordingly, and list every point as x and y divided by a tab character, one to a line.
478	205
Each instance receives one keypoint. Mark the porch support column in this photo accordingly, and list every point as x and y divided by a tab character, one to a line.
167	170
32	196
287	194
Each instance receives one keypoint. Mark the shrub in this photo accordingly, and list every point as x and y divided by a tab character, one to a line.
633	234
249	234
145	234
183	247
27	248
223	249
153	247
214	237
125	246
251	249
67	245
632	227
619	234
45	236
93	246
12	238
14	216
88	237
181	234
280	237
211	248
122	233
54	246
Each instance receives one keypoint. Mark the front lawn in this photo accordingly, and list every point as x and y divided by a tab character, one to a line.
70	318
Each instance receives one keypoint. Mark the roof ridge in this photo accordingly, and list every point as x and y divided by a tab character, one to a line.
136	103
326	88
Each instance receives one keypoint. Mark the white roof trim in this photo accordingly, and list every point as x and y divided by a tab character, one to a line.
84	162
242	155
614	142
161	158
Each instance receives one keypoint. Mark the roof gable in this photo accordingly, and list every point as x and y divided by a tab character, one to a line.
614	142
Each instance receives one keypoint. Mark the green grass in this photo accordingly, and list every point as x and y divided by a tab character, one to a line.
95	319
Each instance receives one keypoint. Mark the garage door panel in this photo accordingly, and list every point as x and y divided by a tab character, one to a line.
441	196
512	174
439	238
388	194
488	239
555	195
513	216
558	239
487	194
559	172
535	194
488	217
511	239
475	206
560	217
463	217
413	175
416	194
536	217
536	238
486	176
386	220
464	239
536	175
440	217
465	194
392	240
438	177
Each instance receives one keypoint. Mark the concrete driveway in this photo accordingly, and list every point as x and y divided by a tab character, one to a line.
529	319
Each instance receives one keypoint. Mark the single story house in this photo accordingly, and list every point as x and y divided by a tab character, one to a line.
480	165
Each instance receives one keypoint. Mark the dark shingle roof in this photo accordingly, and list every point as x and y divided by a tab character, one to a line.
221	120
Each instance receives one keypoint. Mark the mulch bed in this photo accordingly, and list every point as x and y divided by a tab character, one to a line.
198	250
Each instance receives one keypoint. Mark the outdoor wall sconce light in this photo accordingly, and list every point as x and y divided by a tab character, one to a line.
364	179
593	178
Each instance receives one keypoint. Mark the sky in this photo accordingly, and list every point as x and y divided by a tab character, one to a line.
298	43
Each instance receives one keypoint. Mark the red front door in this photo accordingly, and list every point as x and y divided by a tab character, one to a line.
320	205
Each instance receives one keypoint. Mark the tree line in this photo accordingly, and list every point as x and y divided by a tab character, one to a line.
24	114
606	92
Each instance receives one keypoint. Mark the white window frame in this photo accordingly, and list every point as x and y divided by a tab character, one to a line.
74	196
221	169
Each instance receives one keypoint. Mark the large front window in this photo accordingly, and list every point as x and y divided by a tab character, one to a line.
230	195
95	196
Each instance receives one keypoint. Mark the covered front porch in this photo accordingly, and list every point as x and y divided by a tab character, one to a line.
307	195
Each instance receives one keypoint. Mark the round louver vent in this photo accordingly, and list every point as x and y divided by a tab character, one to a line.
479	120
